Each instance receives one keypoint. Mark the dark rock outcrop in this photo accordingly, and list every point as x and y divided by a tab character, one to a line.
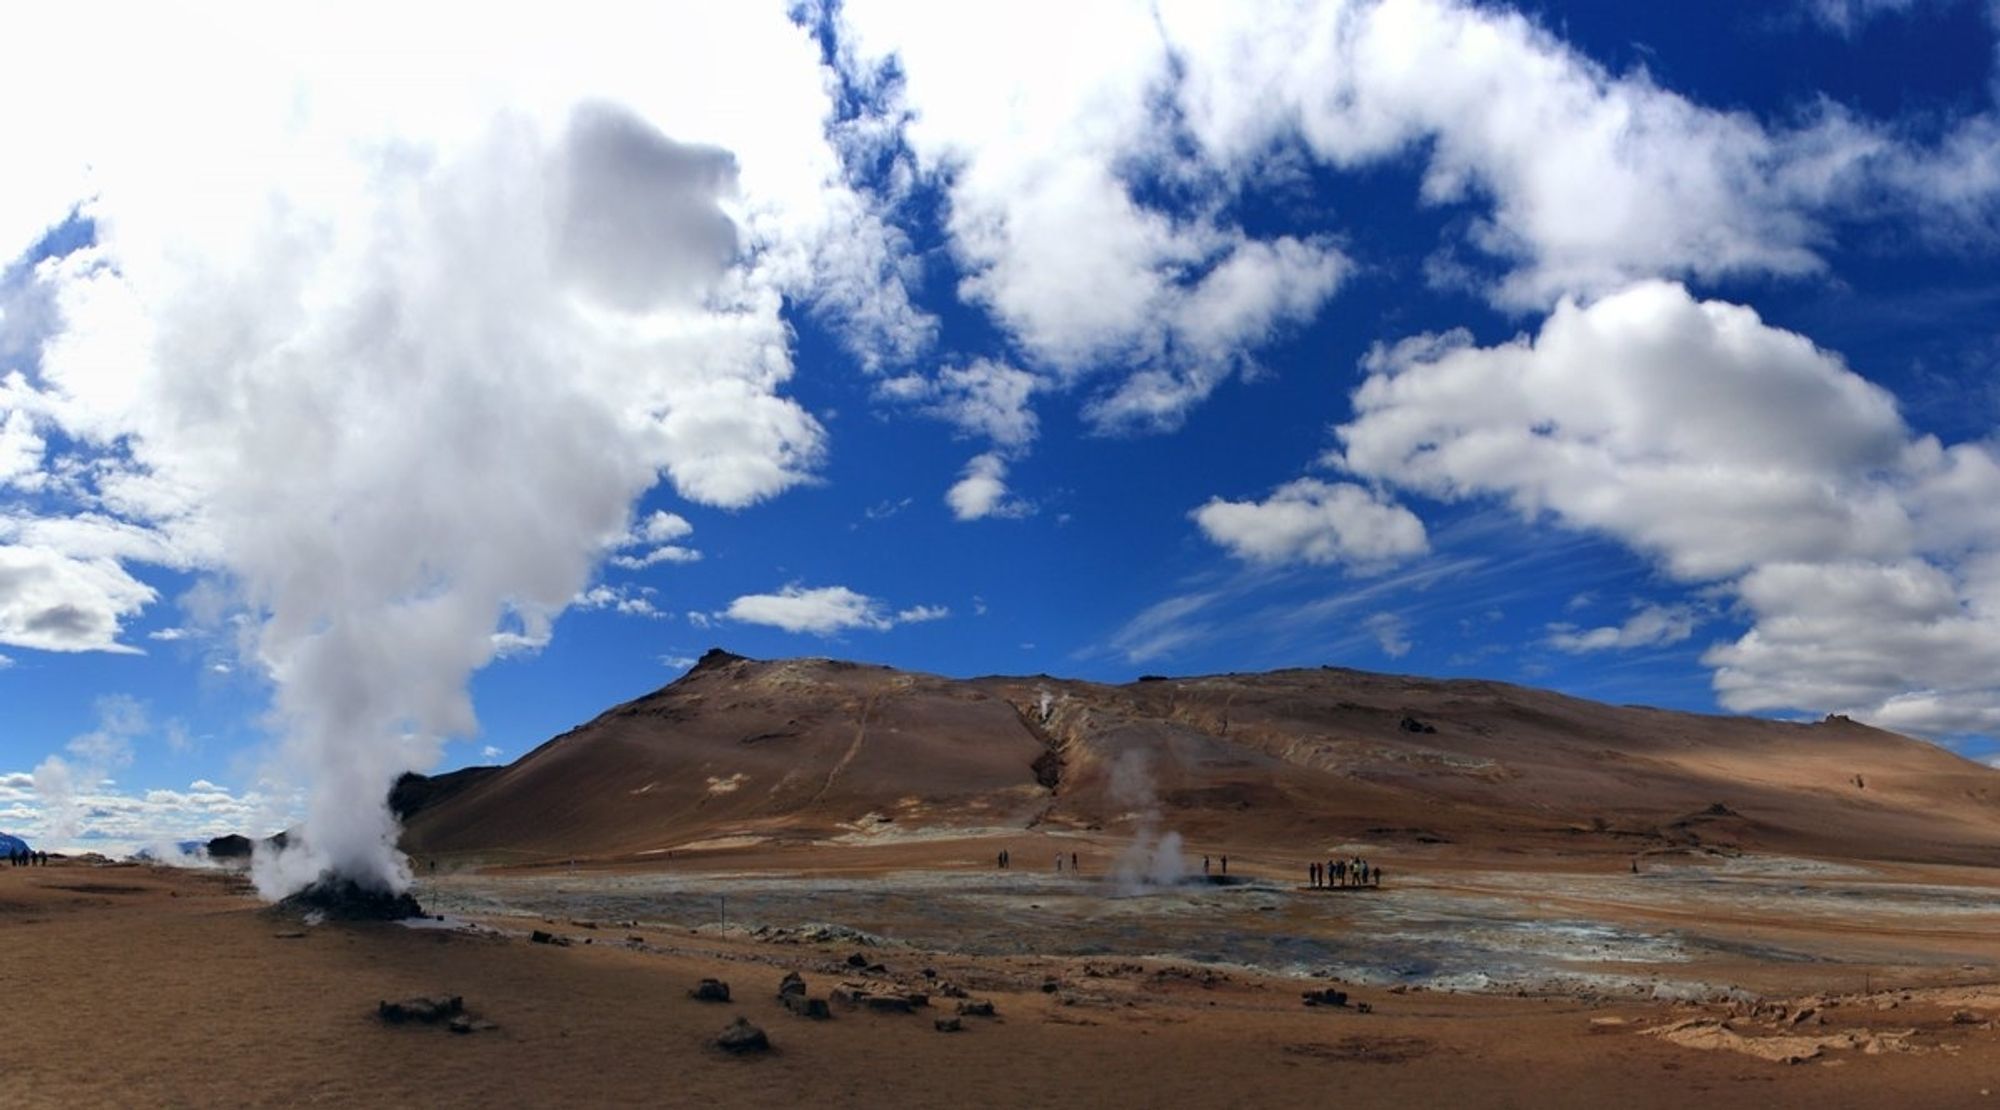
338	899
710	990
742	1038
414	793
234	846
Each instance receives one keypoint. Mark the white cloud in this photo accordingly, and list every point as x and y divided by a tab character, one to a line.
883	510
982	491
661	527
63	785
1866	558
1391	633
824	611
629	600
666	553
1163	627
1846	17
5	662
1651	626
982	398
53	602
20	448
1039	141
489	752
96	816
1053	152
1906	645
1665	421
511	645
1311	521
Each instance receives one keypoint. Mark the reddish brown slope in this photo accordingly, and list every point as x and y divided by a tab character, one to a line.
809	748
819	749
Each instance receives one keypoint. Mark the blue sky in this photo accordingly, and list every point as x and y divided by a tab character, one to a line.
353	418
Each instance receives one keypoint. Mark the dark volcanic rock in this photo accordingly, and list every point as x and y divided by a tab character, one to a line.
815	1008
1327	997
792	983
413	792
714	658
710	990
232	846
742	1037
543	936
428	1011
976	1009
948	1025
337	899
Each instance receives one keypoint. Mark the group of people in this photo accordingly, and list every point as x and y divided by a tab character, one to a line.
1006	861
1344	872
1333	873
21	857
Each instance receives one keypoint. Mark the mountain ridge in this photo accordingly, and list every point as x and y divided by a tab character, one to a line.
817	750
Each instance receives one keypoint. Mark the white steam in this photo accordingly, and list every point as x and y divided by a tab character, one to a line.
1153	858
463	479
392	349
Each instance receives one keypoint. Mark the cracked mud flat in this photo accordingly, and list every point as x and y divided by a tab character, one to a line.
1713	930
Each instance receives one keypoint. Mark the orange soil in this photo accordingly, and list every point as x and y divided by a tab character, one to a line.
133	986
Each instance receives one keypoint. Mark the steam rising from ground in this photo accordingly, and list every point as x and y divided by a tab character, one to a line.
395	365
1153	858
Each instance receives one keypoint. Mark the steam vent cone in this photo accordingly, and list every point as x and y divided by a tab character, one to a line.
341	899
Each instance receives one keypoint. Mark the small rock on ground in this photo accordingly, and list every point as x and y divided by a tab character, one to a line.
710	990
426	1010
742	1038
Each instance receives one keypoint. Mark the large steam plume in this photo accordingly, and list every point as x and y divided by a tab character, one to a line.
396	371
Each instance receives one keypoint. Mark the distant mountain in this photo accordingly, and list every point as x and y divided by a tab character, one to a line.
817	750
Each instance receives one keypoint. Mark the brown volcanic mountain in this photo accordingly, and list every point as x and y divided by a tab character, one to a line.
817	750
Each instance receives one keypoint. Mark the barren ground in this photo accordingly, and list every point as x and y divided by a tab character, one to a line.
1692	982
